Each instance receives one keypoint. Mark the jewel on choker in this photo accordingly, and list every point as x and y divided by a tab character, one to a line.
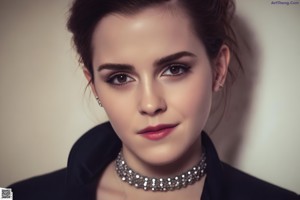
139	181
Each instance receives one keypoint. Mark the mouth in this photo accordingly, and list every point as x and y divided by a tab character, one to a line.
157	132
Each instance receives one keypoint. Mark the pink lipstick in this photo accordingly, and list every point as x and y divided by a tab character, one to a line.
157	132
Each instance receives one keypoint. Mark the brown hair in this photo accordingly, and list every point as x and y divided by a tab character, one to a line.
211	20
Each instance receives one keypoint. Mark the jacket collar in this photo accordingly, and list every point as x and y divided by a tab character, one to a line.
88	158
213	187
99	146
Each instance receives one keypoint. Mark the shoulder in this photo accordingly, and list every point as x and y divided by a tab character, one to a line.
47	186
91	153
89	156
240	185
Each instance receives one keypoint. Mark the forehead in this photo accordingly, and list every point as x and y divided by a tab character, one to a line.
151	32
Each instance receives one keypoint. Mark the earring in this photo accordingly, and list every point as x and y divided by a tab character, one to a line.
221	85
98	100
219	81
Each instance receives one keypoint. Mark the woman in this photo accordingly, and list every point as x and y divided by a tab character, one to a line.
153	66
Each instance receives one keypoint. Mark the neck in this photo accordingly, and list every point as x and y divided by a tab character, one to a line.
184	162
154	184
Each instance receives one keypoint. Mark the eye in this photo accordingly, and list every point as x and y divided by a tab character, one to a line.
119	79
175	70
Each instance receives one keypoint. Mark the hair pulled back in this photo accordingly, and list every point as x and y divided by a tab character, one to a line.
210	19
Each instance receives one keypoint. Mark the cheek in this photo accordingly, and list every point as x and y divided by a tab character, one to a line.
117	117
118	109
193	98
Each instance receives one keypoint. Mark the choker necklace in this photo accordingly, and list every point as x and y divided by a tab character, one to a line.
139	181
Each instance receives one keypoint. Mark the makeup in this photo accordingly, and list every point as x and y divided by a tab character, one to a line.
157	132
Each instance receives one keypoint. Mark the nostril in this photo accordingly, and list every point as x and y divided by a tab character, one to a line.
152	111
158	111
151	102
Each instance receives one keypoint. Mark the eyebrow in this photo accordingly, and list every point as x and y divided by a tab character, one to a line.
173	57
116	67
159	62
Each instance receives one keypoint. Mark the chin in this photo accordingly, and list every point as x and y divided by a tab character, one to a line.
163	156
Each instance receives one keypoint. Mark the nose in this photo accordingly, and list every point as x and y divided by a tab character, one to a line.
151	100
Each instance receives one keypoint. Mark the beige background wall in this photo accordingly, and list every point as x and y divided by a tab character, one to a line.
43	108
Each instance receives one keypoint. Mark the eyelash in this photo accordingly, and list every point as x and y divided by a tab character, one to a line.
183	69
112	78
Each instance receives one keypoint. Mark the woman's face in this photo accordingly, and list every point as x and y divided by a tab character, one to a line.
155	82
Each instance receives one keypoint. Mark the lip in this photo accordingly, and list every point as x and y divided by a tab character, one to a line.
157	132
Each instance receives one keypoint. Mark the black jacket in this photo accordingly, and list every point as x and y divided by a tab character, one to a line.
98	147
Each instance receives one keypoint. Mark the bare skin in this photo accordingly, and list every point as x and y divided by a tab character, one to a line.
138	88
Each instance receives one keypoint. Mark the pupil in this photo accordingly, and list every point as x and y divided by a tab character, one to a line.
174	70
121	78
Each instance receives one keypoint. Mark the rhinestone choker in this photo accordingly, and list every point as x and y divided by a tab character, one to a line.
160	184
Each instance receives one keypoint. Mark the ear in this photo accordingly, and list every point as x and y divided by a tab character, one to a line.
220	67
88	76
